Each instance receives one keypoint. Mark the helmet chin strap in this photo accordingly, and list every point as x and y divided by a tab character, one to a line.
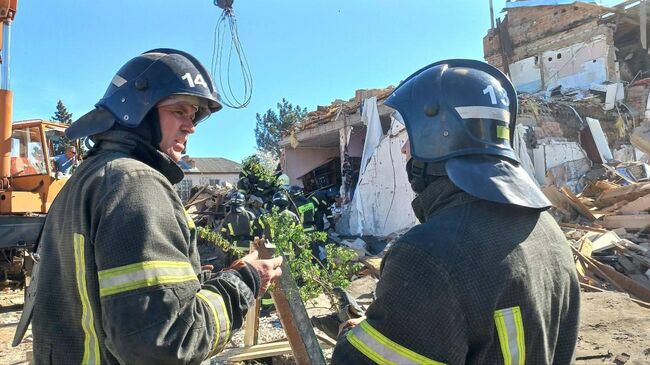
420	173
415	171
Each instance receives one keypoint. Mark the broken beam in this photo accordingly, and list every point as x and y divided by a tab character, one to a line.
292	313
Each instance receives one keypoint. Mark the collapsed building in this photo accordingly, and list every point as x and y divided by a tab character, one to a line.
581	71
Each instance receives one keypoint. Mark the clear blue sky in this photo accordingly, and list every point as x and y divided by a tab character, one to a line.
310	52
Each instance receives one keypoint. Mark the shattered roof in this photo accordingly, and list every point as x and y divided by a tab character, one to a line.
326	114
212	165
531	3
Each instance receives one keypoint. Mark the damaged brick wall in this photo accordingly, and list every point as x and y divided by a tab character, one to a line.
550	119
533	30
637	99
530	24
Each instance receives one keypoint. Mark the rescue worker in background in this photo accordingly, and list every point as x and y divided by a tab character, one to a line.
323	200
488	277
237	225
281	200
119	277
304	208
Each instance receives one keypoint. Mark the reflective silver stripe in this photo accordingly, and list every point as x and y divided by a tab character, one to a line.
217	307
144	274
511	335
381	349
118	80
483	112
91	353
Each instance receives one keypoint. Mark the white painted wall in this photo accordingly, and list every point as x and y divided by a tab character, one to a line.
553	153
202	179
381	203
526	75
579	66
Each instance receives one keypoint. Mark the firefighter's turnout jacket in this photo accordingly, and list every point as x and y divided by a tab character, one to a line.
120	280
477	283
237	227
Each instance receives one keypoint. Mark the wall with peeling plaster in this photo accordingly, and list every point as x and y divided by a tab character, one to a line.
301	160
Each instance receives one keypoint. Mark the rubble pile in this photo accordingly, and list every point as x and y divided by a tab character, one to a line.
206	206
608	226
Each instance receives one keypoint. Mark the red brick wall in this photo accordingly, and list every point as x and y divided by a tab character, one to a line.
636	98
536	29
526	25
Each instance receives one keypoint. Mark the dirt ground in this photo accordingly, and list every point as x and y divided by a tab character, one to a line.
611	326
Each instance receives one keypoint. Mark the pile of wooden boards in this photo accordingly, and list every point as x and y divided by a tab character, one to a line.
605	261
608	226
206	206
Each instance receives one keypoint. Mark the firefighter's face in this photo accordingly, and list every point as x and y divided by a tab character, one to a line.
176	124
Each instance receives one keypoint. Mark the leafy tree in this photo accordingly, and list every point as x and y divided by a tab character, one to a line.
312	276
254	165
271	125
290	239
61	115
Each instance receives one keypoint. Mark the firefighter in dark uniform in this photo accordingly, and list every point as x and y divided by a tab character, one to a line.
237	225
323	200
487	277
305	209
119	279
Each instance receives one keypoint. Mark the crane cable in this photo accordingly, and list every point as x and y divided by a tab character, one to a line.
221	67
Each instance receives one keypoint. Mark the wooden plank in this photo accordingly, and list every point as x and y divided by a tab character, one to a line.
642	259
292	313
638	221
586	248
641	279
252	324
629	285
577	204
634	247
581	227
602	241
252	317
591	265
614	207
605	185
628	265
234	354
588	287
326	340
629	193
637	206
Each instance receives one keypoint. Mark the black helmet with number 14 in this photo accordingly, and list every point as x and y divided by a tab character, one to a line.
143	82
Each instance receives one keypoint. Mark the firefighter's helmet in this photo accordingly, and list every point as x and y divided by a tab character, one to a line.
460	115
143	82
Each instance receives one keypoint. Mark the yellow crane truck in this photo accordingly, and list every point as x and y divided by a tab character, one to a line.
28	179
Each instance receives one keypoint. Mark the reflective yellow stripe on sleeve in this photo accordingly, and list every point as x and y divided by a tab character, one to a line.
231	230
144	274
217	307
190	221
510	329
91	343
381	349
